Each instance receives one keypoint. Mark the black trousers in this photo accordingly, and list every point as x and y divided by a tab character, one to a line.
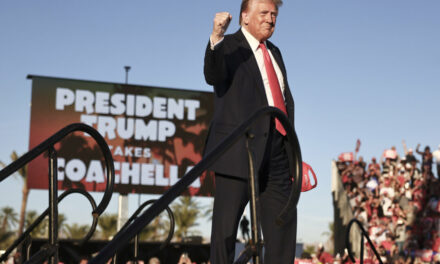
231	197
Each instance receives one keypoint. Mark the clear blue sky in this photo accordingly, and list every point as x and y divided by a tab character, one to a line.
357	69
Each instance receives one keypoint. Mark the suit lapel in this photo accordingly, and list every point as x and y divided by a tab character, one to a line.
250	62
278	59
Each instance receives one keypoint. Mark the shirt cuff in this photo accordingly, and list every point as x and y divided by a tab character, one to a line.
213	45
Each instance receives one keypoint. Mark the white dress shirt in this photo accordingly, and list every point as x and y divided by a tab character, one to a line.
258	53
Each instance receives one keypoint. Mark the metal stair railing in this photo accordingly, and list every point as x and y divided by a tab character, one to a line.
254	248
136	238
26	234
364	234
51	249
124	236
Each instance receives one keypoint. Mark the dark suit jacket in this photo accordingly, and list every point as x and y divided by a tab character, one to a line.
239	91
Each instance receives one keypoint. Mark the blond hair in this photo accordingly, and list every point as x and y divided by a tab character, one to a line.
245	4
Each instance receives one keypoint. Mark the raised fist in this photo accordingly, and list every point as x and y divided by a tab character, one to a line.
221	23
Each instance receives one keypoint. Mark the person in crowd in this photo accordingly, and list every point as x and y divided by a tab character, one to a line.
427	174
376	208
409	154
373	184
374	168
345	259
361	215
83	260
341	165
315	258
400	234
388	243
400	177
323	256
413	172
418	260
17	258
387	186
387	167
391	154
184	259
358	175
394	254
384	256
153	260
347	175
436	241
426	157
361	163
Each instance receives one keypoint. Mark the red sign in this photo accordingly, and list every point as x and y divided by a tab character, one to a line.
346	156
155	134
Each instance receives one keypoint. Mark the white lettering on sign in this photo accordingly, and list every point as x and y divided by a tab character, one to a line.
125	115
146	174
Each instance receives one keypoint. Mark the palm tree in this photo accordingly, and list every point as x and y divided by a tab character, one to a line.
76	231
331	235
330	232
157	229
107	224
62	220
6	238
308	250
209	209
8	218
186	212
25	191
40	230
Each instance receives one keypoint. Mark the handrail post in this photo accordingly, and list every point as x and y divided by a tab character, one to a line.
136	249
27	249
254	206
53	203
48	145
362	249
364	234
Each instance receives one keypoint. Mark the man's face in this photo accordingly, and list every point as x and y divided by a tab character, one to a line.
259	18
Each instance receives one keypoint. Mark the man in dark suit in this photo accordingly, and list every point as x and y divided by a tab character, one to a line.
248	73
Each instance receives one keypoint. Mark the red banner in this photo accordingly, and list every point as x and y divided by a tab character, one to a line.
155	134
346	156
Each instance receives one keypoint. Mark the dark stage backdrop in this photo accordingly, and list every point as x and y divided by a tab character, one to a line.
155	134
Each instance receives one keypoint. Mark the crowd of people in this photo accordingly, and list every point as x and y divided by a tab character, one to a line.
397	198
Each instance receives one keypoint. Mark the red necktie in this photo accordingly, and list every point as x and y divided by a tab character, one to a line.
278	99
